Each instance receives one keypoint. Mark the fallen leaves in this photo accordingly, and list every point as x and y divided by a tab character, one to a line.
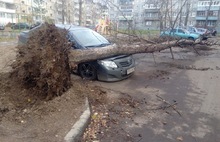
180	138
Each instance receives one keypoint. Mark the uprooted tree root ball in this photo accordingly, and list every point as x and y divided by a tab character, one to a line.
43	63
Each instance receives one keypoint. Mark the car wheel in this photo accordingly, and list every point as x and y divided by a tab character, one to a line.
87	71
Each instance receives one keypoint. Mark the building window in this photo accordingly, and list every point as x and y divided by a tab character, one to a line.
22	2
200	23
2	15
200	13
211	23
216	3
9	15
193	14
148	14
2	4
213	13
148	23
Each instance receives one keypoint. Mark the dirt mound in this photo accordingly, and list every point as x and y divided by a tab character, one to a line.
42	64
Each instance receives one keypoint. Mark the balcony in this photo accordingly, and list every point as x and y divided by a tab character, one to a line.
156	18
150	7
8	1
125	17
211	18
152	10
59	2
7	10
212	8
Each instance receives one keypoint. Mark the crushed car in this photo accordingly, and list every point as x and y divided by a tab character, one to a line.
113	68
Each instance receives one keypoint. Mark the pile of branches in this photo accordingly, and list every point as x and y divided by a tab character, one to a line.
43	63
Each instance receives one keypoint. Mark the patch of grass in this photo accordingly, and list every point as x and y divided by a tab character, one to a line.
141	32
7	39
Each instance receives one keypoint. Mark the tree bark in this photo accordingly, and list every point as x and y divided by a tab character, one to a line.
78	56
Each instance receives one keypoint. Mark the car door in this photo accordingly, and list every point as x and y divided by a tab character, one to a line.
181	33
172	32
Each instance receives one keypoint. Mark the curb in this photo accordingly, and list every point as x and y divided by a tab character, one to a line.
74	135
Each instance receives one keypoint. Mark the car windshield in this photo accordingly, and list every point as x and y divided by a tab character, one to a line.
89	38
201	30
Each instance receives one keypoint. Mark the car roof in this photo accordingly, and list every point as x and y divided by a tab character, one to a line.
70	27
64	26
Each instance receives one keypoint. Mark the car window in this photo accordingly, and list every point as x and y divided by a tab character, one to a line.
181	31
201	30
173	31
88	38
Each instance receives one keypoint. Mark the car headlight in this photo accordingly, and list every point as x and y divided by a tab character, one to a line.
109	64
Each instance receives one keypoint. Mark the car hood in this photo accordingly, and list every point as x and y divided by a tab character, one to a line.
115	57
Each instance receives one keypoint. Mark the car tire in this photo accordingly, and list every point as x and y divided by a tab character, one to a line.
87	71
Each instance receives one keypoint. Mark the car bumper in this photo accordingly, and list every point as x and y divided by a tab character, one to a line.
110	75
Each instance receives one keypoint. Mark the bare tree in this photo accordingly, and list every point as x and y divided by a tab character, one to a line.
80	11
63	10
208	13
187	13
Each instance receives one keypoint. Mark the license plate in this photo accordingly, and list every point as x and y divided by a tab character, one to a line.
130	70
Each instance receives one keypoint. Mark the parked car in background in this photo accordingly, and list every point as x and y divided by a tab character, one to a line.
205	33
35	25
2	27
113	68
20	26
180	33
213	32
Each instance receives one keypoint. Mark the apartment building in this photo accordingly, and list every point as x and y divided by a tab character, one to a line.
126	13
152	14
7	12
30	11
68	12
51	11
93	11
208	14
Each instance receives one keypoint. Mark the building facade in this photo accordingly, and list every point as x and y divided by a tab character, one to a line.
140	14
208	14
7	12
153	14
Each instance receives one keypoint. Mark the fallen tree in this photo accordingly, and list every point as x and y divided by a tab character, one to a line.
128	46
78	56
43	64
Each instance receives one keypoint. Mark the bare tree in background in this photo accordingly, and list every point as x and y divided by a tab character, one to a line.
63	10
208	13
80	12
187	13
130	27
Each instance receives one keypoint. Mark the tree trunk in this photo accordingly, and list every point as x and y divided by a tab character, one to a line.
207	14
78	56
80	12
187	13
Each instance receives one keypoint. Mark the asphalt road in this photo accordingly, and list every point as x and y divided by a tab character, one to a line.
190	81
